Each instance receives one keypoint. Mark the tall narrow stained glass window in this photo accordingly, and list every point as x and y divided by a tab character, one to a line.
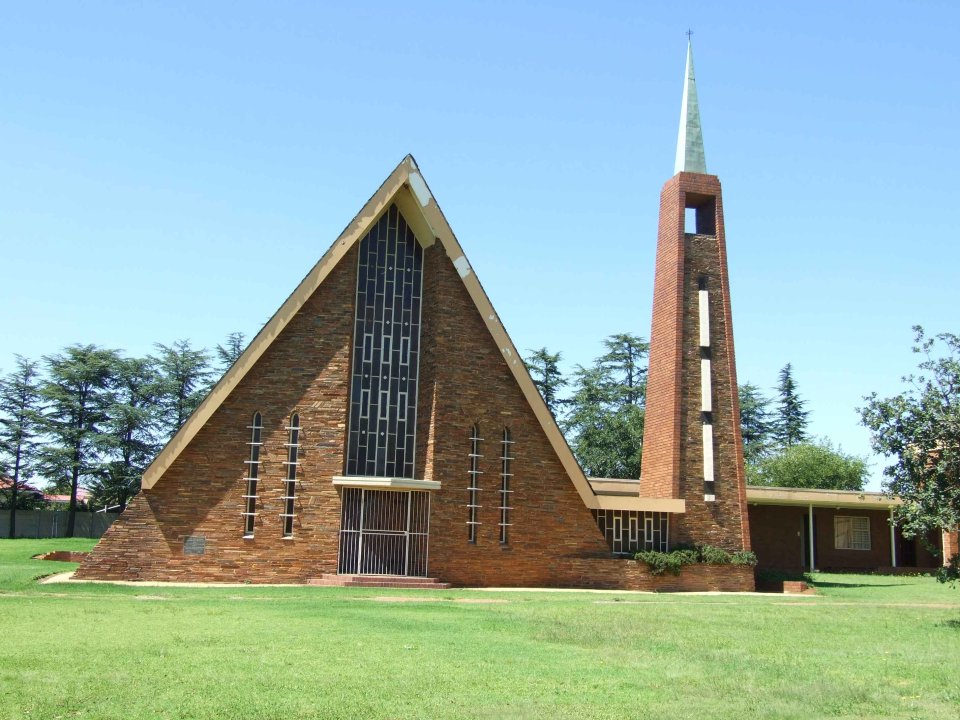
290	484
386	351
506	475
253	475
473	488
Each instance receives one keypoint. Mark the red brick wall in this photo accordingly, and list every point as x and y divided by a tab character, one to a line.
660	465
472	384
950	545
777	533
672	447
305	370
619	574
776	537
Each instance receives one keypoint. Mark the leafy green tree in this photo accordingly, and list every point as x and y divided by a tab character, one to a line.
756	424
790	421
131	432
810	465
919	429
544	368
228	353
19	428
184	376
605	418
76	397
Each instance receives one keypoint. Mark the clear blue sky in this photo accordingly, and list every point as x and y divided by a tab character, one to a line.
172	170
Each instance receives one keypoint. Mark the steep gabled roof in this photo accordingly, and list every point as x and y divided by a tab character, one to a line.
406	187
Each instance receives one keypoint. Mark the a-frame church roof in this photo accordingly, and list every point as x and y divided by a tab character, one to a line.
406	187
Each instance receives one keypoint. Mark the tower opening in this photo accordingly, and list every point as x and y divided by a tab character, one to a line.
703	209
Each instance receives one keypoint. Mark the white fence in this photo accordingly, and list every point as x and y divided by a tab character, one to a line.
53	523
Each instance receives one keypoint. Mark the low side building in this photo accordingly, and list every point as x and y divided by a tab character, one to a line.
794	530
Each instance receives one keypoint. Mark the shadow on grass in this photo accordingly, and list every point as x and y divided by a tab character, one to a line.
952	624
821	584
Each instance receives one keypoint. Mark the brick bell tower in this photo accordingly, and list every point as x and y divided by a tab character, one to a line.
692	448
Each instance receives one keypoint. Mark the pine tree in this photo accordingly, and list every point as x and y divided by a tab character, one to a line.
756	425
131	432
626	364
76	397
790	423
604	425
544	369
229	353
19	428
184	376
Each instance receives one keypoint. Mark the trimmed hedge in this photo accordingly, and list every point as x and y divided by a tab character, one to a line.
662	562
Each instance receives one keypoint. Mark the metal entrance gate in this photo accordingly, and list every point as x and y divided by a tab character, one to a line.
384	532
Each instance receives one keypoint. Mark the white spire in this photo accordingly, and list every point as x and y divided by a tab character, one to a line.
690	157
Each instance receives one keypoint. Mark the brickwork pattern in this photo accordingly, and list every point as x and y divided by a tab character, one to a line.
472	384
778	534
672	463
619	574
305	370
950	545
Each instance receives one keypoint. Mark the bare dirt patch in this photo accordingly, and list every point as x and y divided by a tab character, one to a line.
62	556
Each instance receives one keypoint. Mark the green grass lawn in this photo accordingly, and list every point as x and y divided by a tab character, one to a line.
865	647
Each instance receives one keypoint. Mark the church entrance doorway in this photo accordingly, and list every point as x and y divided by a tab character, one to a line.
384	532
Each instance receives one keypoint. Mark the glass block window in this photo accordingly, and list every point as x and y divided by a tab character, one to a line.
290	484
506	474
851	532
386	351
253	475
630	531
473	484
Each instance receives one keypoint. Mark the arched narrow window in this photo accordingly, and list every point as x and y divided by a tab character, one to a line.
290	484
506	473
473	487
253	474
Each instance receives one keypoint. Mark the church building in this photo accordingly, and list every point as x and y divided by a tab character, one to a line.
382	426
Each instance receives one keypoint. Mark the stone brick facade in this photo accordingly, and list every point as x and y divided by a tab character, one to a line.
673	459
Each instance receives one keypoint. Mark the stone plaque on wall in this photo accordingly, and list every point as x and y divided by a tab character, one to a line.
194	545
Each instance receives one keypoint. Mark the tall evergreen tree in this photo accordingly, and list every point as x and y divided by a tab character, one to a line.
604	424
131	432
790	423
544	368
19	427
76	397
756	425
184	376
228	353
626	364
